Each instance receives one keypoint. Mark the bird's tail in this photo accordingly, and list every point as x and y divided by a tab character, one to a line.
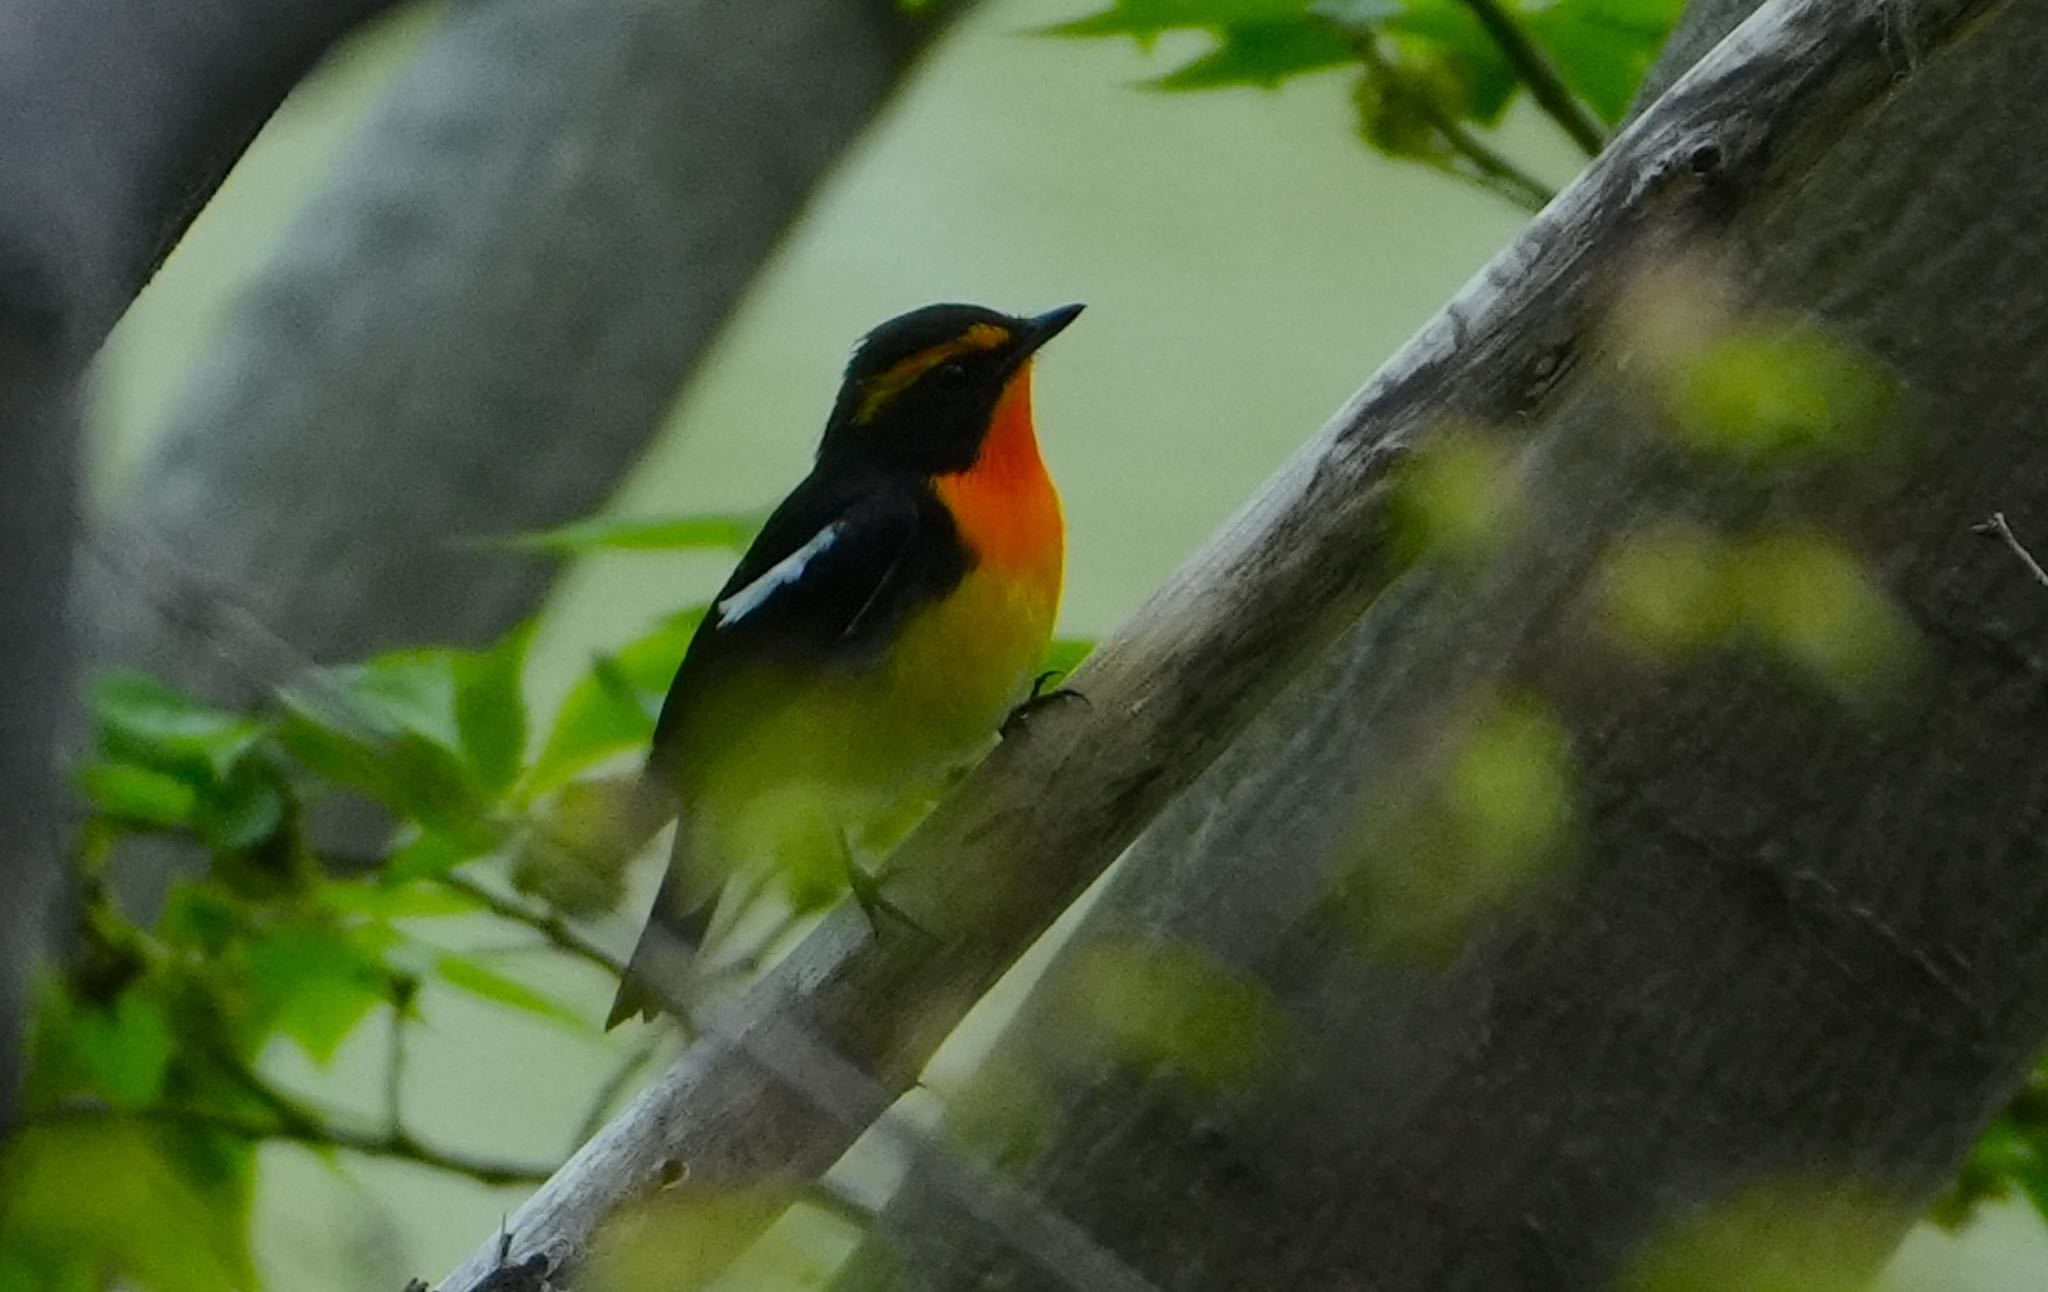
664	961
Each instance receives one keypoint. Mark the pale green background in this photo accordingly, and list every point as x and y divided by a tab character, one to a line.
1246	262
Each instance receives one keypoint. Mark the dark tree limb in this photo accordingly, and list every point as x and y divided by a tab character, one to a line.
117	121
1044	815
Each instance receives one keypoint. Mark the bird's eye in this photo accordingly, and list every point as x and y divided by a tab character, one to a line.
950	376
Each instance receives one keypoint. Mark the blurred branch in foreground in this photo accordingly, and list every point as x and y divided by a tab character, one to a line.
103	171
477	327
1030	829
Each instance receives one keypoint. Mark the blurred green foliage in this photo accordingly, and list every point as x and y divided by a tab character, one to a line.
1438	849
1166	1006
1432	76
1803	596
147	1096
1458	498
1778	1237
1778	390
682	1237
2009	1160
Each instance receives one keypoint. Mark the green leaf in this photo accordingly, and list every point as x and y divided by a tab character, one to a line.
411	690
114	1198
1147	18
1065	655
407	773
1439	50
1603	48
490	708
1261	54
357	899
136	795
728	530
245	810
200	917
612	708
429	855
1448	24
139	719
315	984
485	983
123	1052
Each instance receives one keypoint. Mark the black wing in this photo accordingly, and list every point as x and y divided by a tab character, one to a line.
832	576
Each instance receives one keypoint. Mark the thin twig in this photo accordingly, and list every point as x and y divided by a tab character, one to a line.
1487	168
394	1075
1998	529
549	925
392	1147
1546	84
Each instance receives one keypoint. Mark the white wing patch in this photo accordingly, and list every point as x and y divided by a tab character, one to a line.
776	577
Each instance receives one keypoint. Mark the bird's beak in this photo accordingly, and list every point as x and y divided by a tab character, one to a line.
1047	326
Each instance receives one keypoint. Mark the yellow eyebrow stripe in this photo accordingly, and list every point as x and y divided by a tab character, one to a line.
878	390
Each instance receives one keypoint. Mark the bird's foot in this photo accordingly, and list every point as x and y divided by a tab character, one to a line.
1039	700
867	890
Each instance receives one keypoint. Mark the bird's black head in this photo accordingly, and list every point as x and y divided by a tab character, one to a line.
922	388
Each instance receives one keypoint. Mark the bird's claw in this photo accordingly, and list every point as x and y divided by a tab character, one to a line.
1040	699
867	891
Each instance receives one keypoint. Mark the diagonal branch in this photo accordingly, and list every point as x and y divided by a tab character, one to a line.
1036	823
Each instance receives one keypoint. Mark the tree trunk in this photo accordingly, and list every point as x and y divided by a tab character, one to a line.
116	123
476	329
1794	959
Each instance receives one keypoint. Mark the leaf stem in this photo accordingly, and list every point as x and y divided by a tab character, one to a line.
393	1146
394	1075
549	925
1485	167
1546	85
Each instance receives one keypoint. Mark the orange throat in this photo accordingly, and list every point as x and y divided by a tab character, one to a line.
1005	504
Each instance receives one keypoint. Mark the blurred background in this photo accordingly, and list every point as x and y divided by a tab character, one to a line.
1246	262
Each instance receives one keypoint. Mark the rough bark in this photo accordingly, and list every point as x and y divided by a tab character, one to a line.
798	1071
117	121
477	327
1798	940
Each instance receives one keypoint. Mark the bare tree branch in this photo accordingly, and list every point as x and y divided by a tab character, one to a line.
1997	527
1042	817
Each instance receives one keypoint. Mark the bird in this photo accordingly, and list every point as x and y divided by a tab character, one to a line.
890	614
